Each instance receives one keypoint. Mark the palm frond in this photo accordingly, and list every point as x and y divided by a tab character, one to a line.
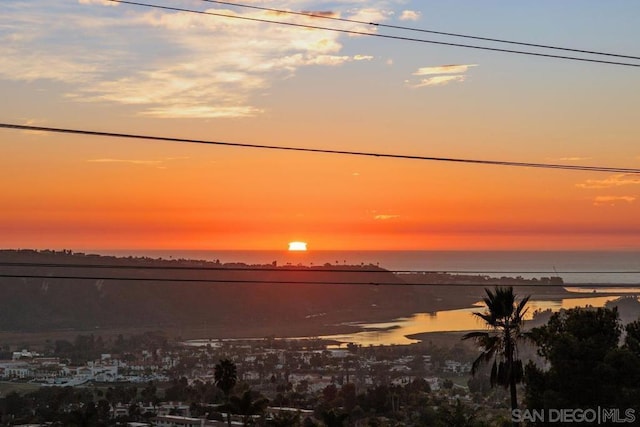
485	357
521	306
488	318
474	335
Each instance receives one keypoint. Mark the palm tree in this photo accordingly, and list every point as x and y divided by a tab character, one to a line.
226	376
247	406
504	317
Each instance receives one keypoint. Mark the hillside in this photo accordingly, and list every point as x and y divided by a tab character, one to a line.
146	298
225	299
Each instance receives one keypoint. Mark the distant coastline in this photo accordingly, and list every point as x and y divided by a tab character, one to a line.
199	303
574	266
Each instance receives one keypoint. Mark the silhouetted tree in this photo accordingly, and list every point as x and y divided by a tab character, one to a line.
285	419
226	376
457	416
334	418
247	406
504	316
587	367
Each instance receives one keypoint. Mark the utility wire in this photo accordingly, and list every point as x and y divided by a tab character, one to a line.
303	269
421	30
325	151
299	282
385	36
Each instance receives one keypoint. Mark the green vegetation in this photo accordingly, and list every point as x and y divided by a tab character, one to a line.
589	366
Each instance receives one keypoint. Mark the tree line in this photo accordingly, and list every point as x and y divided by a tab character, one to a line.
588	363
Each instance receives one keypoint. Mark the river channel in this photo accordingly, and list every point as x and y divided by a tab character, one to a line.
396	332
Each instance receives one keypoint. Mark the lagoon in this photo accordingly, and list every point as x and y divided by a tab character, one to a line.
398	331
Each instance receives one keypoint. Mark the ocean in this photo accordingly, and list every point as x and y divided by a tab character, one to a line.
575	267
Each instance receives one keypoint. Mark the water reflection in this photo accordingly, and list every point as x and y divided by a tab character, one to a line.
600	290
395	332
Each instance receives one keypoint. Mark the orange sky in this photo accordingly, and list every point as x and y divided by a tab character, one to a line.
264	85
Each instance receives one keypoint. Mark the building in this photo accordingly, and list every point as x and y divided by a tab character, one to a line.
178	421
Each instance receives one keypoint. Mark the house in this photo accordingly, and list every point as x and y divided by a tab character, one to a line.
15	370
24	354
456	367
179	421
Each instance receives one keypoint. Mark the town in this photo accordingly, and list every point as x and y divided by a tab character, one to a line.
148	380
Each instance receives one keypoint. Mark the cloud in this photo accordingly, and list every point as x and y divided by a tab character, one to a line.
438	81
102	2
571	159
612	200
444	69
370	14
326	13
328	60
141	162
133	162
440	75
612	181
409	15
385	217
34	122
170	63
208	111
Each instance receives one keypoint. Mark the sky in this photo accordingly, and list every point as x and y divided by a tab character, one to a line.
104	66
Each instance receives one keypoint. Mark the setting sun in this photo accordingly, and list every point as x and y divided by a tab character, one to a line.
297	246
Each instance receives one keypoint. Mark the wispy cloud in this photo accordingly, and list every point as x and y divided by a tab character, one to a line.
440	75
409	15
171	63
385	217
210	111
327	13
569	159
444	69
612	181
129	161
101	2
34	122
438	81
140	162
613	200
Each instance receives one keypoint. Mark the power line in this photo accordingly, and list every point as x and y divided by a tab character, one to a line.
300	282
349	269
421	30
303	269
385	36
326	151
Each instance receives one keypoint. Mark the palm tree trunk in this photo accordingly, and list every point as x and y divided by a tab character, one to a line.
512	378
514	397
